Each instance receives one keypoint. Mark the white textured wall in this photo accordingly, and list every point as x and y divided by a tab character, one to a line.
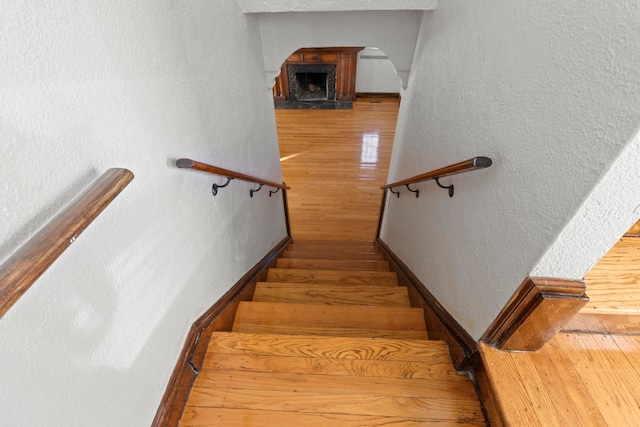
551	91
394	32
85	86
376	74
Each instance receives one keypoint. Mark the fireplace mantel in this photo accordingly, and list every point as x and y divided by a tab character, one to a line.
345	60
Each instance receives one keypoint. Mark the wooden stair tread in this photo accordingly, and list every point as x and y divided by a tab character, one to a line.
294	275
332	243
367	249
330	320
307	293
336	384
205	416
328	264
330	331
254	379
354	348
437	368
333	254
348	404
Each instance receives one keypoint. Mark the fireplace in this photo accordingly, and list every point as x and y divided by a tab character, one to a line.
312	87
312	82
317	78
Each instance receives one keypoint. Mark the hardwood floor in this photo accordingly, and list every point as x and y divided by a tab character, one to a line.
335	162
613	284
587	375
635	230
613	287
576	379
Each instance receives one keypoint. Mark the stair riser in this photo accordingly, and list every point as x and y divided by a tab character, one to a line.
351	321
321	264
299	293
333	255
331	277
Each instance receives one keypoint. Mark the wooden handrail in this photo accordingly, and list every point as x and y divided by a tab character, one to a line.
25	266
466	166
192	164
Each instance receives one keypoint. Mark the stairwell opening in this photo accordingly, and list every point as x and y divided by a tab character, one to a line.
321	153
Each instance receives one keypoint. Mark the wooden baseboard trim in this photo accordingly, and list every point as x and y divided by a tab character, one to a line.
377	95
440	323
535	313
219	317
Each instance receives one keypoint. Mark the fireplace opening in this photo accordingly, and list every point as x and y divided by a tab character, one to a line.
312	86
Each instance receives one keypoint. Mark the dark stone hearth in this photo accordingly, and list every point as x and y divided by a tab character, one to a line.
313	105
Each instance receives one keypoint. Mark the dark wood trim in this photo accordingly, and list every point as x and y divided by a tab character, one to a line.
383	206
377	95
192	164
466	166
219	317
535	313
287	220
440	323
323	50
27	264
281	85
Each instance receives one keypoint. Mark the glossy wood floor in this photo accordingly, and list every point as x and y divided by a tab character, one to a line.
588	375
576	379
335	162
613	284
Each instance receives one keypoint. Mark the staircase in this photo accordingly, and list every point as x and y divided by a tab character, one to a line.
330	339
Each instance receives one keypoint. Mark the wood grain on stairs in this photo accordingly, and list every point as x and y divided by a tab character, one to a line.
318	391
331	320
312	382
352	348
333	277
438	368
327	342
333	243
328	264
205	416
337	403
348	252
333	254
305	293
